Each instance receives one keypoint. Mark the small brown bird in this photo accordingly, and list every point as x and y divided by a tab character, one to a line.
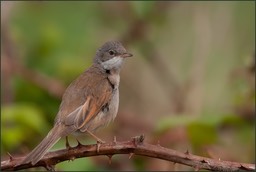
90	102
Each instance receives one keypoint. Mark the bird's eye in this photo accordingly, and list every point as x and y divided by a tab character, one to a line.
111	52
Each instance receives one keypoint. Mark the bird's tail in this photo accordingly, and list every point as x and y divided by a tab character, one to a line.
52	137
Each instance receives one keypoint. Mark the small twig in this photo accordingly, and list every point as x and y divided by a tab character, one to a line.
136	146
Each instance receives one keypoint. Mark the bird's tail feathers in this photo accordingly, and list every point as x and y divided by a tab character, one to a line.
52	137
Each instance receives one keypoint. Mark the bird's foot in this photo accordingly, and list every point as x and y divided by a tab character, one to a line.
67	144
98	146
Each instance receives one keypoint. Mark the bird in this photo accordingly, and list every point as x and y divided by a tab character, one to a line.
90	102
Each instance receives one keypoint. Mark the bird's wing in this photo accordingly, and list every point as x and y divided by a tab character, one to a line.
90	109
95	98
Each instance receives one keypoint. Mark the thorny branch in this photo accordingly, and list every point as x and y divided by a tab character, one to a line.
136	146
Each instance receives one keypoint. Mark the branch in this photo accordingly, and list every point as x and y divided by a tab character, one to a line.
135	146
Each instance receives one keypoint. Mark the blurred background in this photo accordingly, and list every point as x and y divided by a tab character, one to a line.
190	85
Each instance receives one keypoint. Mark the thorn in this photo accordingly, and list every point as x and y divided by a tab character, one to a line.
242	167
109	158
203	161
187	152
174	163
246	168
67	144
78	143
72	158
130	155
114	140
219	159
49	167
10	156
98	146
197	168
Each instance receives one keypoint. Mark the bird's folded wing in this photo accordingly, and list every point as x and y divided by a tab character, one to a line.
86	112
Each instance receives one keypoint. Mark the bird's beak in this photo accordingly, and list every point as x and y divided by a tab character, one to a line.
126	55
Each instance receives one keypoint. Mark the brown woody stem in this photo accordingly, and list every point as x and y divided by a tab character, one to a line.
135	146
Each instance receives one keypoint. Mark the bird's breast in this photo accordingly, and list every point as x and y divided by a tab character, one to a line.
114	80
107	114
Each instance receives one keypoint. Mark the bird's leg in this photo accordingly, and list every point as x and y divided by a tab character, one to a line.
67	143
95	137
99	141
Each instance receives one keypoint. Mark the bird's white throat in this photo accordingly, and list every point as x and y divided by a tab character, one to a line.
115	62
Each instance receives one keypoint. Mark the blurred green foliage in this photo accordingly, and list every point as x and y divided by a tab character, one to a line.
36	95
19	121
203	130
208	119
82	163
